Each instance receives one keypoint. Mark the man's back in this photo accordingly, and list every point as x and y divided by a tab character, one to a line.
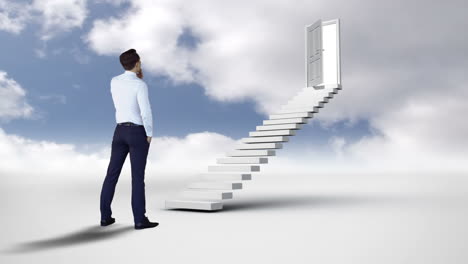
132	134
131	102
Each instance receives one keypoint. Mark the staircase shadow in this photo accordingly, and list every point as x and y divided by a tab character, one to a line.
83	236
305	202
311	202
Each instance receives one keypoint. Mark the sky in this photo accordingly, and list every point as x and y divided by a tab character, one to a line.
215	69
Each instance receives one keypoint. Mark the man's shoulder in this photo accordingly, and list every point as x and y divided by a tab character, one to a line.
119	76
126	78
116	78
138	82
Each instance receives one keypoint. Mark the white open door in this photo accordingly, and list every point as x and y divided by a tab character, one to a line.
314	62
323	65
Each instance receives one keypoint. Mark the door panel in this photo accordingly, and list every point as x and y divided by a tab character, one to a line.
314	54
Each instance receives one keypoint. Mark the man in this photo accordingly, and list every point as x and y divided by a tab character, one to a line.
132	134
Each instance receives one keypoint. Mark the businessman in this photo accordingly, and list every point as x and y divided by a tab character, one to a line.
132	134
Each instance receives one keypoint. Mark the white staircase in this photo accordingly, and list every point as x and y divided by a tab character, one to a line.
231	171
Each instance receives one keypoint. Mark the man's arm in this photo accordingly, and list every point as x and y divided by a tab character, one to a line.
145	108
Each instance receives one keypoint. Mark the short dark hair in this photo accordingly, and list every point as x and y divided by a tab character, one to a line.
129	58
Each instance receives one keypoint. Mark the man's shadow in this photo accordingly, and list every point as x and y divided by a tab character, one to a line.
86	235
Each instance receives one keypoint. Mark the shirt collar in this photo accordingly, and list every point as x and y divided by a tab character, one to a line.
130	72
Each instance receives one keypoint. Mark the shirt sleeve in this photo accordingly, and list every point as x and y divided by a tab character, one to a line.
145	109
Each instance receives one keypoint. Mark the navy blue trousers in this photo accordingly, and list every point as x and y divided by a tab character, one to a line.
133	140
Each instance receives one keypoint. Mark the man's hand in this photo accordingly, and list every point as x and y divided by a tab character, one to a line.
149	139
140	74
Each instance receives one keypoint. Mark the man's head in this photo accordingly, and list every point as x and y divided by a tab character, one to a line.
130	60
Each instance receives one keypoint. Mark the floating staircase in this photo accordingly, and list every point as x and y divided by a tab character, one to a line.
232	171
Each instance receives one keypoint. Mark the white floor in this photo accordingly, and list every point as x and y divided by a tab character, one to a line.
275	219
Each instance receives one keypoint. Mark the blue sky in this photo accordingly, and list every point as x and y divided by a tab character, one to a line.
88	113
81	110
220	67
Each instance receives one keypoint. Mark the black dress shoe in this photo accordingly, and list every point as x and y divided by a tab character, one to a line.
107	222
146	224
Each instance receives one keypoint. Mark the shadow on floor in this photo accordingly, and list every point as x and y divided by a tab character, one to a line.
307	202
86	235
313	202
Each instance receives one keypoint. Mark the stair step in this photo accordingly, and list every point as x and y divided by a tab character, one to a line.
285	121
216	185
306	101
206	194
314	109
265	139
311	92
243	160
331	86
261	146
286	132
209	195
279	127
316	96
227	176
237	168
198	204
321	92
291	115
311	101
309	107
251	153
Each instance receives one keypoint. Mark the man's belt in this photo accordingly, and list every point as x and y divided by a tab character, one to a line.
128	124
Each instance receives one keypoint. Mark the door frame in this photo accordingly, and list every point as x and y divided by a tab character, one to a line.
338	49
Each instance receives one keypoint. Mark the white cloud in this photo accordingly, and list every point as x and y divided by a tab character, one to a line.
411	95
26	160
257	52
60	15
40	52
113	2
13	103
150	27
54	16
58	98
13	16
41	160
34	161
337	144
190	154
238	56
80	56
423	134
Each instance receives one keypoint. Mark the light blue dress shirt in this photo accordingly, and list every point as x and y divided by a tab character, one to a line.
130	96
